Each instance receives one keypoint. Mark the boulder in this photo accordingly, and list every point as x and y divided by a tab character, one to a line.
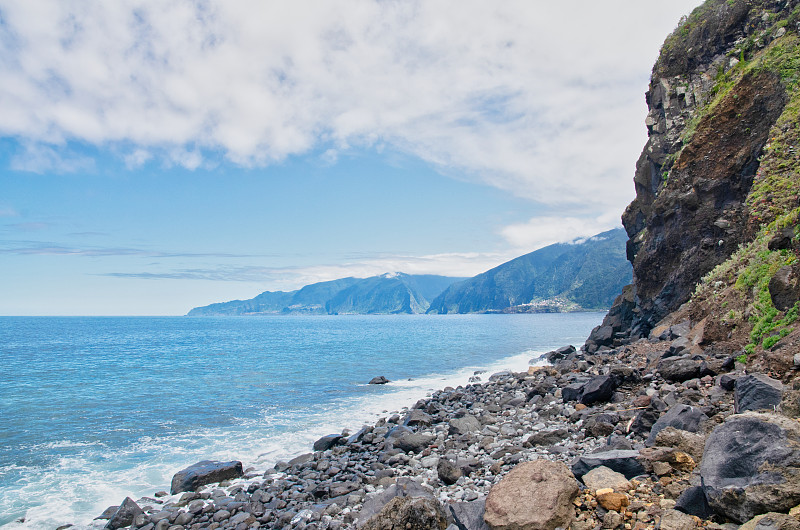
409	513
448	472
546	437
205	472
413	442
757	392
534	495
693	502
403	487
326	442
603	477
124	515
679	369
469	515
598	389
751	465
683	417
379	380
784	287
621	461
690	443
572	392
417	418
782	239
464	425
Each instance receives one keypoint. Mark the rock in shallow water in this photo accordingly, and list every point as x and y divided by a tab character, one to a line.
124	515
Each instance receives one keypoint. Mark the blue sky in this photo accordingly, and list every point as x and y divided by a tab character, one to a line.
156	157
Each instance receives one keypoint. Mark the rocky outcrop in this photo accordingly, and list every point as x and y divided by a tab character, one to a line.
694	175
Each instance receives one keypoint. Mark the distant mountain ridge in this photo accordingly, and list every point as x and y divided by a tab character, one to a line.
581	275
391	293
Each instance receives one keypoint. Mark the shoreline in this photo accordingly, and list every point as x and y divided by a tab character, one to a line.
453	447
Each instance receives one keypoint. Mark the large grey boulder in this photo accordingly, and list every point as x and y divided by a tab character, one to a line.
464	425
413	442
751	465
598	389
679	369
534	495
404	487
326	442
205	472
124	515
784	287
757	392
469	515
680	416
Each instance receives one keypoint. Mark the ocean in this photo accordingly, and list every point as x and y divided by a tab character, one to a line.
94	409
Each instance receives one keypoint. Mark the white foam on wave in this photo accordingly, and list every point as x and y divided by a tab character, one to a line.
79	487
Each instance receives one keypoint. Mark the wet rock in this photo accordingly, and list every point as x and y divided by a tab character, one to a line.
409	513
326	442
205	472
379	380
757	392
750	465
625	462
124	515
417	418
533	495
683	417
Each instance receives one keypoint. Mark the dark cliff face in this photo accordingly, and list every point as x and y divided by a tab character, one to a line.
710	114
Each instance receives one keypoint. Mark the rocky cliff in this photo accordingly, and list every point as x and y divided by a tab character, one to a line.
717	179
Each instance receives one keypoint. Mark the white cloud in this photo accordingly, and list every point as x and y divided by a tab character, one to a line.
42	158
542	231
541	98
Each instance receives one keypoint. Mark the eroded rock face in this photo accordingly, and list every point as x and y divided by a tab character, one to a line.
757	392
751	465
534	495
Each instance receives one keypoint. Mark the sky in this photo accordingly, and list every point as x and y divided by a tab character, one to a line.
156	156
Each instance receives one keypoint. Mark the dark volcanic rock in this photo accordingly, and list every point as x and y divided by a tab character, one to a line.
757	392
600	388
782	240
413	442
683	417
625	462
448	472
469	515
751	465
379	380
464	425
326	442
205	472
693	502
404	487
124	515
784	287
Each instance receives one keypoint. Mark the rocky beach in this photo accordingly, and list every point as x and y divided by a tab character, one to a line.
637	436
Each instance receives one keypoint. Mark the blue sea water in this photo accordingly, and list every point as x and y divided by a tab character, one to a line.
96	409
